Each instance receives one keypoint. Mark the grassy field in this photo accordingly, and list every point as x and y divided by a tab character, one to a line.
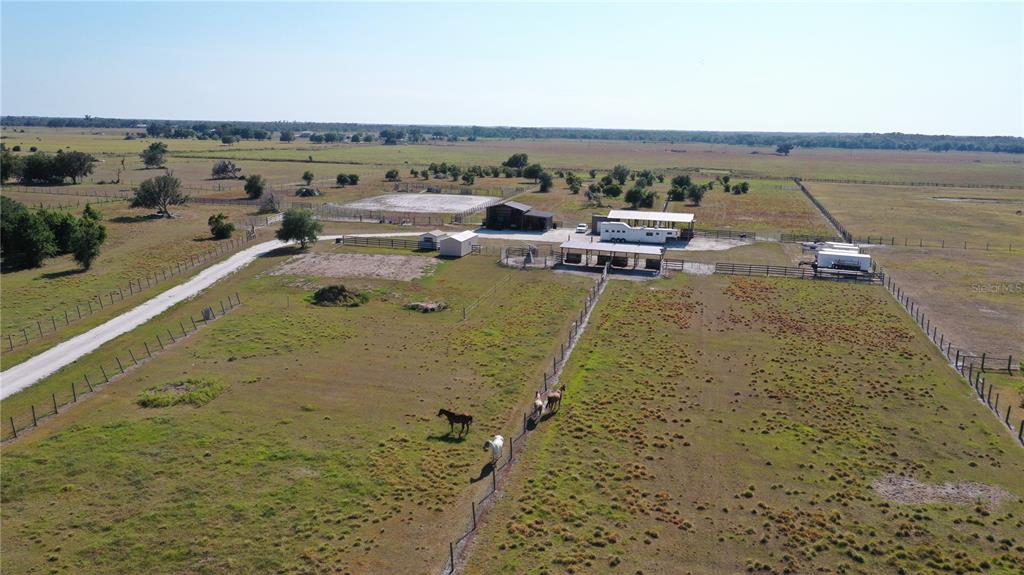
875	165
746	432
322	452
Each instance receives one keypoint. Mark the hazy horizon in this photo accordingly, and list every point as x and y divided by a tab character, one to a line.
937	69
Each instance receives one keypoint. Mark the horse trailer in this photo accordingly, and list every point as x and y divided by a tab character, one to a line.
622	232
844	260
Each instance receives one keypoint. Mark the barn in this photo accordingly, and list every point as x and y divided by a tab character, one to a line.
518	216
458	245
431	240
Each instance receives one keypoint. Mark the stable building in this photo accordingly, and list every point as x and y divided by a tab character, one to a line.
518	216
682	222
580	252
458	245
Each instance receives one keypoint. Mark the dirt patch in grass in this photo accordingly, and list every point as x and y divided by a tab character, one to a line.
909	491
403	268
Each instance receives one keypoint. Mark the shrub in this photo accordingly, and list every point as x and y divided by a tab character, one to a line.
220	227
270	204
193	391
339	295
307	192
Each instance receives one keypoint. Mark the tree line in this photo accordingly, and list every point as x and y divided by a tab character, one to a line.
28	238
881	141
43	168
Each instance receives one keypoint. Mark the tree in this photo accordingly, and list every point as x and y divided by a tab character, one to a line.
611	190
533	171
224	169
468	178
353	179
454	172
574	182
91	213
545	181
744	187
516	161
682	181
661	178
391	175
255	185
593	174
228	139
85	244
153	156
695	194
316	138
635	196
341	180
270	204
220	227
784	149
74	165
356	138
160	193
287	136
620	173
307	177
62	225
298	225
25	239
10	166
677	194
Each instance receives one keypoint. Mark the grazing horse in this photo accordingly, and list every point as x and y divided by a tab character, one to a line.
538	405
494	444
463	419
554	399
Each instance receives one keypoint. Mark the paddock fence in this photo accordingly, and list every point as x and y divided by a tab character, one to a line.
725	268
395	243
550	380
54	323
101	377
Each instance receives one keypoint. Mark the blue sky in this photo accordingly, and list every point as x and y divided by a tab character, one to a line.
927	68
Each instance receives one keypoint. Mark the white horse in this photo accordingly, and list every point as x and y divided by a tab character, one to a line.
495	444
538	404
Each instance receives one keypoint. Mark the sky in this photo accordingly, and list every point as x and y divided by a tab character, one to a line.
948	68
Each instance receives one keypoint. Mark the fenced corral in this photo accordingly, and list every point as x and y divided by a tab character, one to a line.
54	323
436	187
976	379
957	356
343	213
807	273
550	380
76	392
74	206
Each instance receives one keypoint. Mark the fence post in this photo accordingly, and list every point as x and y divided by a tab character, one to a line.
494	479
35	422
474	514
74	393
88	383
160	341
38	325
147	349
983	354
53	396
988	400
135	361
66	321
183	332
105	378
1009	365
524	422
193	323
956	361
14	430
451	555
119	364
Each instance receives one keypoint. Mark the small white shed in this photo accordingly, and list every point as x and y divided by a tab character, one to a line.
431	240
458	245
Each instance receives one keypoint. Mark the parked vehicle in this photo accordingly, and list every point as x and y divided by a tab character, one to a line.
582	228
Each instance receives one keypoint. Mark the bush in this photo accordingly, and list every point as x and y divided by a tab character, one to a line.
220	227
307	192
270	204
339	296
193	391
255	185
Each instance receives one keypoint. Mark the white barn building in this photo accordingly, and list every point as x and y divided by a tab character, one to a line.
458	245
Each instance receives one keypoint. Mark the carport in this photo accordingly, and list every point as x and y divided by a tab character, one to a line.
583	253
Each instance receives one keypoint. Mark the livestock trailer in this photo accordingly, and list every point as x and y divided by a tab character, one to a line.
843	260
623	232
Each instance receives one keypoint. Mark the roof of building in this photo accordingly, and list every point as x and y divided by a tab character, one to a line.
462	236
435	233
517	205
540	214
677	218
615	248
843	253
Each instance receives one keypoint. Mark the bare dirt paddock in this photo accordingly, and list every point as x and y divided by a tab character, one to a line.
403	268
424	203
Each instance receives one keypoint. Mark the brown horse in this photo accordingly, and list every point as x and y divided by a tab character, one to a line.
554	400
463	419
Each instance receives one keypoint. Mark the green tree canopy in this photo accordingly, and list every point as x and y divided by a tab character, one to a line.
153	156
87	240
160	193
255	185
300	226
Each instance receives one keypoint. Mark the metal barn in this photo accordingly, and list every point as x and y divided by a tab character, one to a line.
458	245
518	216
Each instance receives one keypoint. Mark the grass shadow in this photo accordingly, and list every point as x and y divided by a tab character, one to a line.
284	251
135	219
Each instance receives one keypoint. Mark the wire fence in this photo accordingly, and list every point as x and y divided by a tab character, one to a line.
726	268
51	324
976	379
100	377
530	418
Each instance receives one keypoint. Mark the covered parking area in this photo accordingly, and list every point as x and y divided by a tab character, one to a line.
584	253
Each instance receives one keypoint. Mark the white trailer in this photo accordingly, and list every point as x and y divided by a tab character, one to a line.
843	260
841	247
622	232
